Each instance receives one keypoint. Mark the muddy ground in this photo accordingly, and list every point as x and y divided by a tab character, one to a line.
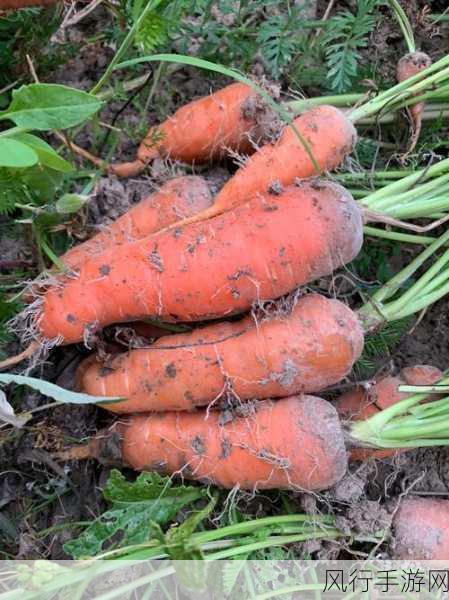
38	493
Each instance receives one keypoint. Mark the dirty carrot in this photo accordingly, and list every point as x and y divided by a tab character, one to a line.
203	130
329	136
307	349
175	200
294	443
389	303
261	250
408	66
421	529
318	141
362	402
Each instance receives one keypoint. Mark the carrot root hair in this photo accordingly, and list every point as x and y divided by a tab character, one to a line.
25	326
28	353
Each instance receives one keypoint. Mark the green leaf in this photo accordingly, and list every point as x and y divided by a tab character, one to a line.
47	156
70	203
44	106
137	509
42	182
16	154
54	391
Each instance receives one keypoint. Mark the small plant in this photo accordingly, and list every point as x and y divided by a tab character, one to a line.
346	34
30	169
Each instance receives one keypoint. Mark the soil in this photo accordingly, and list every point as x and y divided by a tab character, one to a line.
40	499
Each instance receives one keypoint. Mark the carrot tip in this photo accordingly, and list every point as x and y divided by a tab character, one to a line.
32	349
83	452
128	169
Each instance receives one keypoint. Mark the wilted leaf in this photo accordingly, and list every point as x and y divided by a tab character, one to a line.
136	508
7	414
54	391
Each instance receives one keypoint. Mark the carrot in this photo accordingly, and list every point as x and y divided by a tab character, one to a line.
15	4
421	529
330	136
408	66
261	250
202	130
293	443
360	403
175	200
312	347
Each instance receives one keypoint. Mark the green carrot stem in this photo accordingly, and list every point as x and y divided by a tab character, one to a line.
418	305
420	208
415	431
255	524
389	118
398	237
403	92
436	388
434	282
420	295
389	195
398	280
407	183
277	541
404	24
373	175
440	17
436	99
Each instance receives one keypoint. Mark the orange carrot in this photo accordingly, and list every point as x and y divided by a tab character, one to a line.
261	250
408	66
307	350
421	529
330	136
175	200
293	443
360	403
202	130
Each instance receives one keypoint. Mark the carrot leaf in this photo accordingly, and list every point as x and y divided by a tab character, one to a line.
138	510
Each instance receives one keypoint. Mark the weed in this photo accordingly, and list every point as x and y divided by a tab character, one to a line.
346	34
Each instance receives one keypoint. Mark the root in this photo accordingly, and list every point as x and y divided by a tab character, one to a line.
33	348
127	169
83	452
98	162
414	137
25	326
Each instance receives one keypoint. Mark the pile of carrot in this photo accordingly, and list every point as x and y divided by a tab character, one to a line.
230	402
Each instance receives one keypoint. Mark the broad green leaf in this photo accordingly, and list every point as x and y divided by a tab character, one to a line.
15	154
137	509
54	391
47	156
43	106
70	203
